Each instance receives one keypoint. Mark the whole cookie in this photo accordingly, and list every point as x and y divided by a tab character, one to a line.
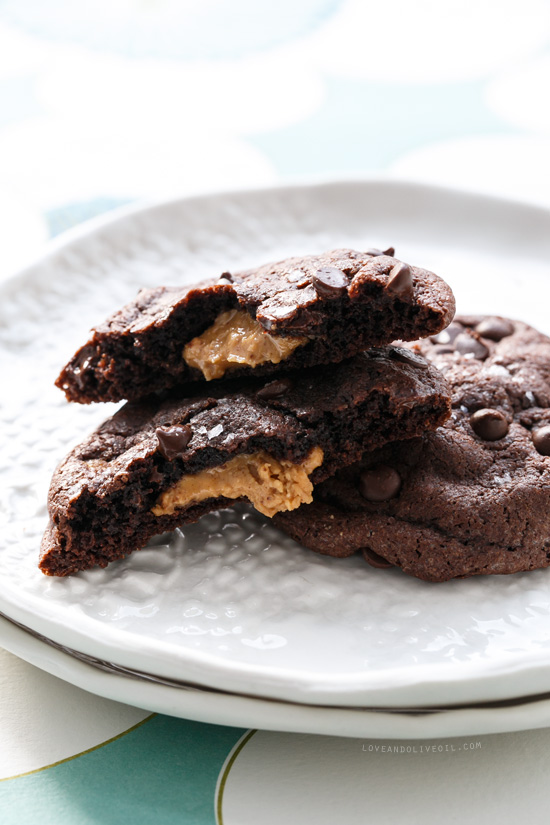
295	313
158	463
471	498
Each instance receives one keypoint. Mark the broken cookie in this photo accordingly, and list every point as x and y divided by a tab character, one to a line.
297	313
158	463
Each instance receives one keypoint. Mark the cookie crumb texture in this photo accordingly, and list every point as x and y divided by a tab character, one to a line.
471	498
298	313
159	463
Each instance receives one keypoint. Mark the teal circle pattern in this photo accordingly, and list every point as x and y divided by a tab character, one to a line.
163	771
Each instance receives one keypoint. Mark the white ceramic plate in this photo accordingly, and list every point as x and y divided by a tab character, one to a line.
206	705
231	603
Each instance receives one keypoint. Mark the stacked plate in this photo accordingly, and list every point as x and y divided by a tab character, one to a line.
230	621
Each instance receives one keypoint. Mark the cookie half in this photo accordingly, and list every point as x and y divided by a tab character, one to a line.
293	314
471	498
158	464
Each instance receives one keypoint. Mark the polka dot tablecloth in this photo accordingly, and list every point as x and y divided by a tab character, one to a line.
105	103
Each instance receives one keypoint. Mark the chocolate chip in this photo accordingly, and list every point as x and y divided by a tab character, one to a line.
541	440
495	329
380	483
466	344
173	440
80	371
449	335
490	425
275	389
400	281
330	282
375	253
375	560
226	276
406	356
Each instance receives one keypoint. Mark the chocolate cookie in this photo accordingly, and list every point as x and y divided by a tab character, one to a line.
471	498
159	463
293	314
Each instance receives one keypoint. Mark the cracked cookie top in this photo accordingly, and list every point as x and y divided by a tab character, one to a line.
296	313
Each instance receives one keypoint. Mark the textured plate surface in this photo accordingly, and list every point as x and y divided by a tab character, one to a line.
230	602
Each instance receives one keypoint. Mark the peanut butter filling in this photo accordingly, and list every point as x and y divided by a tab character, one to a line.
269	484
236	339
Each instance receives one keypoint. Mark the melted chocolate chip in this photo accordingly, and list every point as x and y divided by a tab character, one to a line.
449	335
375	253
375	560
495	329
490	425
406	356
274	389
173	440
466	344
380	483
541	440
330	282
400	281
80	371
